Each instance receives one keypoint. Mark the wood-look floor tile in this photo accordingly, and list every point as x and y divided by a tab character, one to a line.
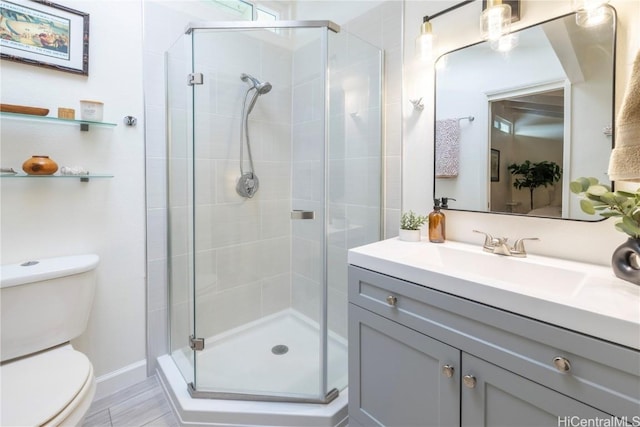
166	420
140	409
123	395
98	419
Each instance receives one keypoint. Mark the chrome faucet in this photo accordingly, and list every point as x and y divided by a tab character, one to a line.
500	246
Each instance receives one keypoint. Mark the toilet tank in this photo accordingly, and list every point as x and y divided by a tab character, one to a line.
44	302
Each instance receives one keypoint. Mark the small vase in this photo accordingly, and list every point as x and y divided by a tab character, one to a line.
409	235
626	261
40	165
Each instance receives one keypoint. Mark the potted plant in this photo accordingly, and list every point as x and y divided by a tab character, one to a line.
410	224
535	175
598	198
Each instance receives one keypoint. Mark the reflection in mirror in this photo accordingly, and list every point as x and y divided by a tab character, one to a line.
543	111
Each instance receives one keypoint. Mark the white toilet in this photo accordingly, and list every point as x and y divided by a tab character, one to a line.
45	304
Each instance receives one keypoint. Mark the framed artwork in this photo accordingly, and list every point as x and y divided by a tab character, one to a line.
495	165
44	34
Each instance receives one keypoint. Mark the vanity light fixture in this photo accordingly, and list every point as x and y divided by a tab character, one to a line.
495	20
505	43
424	41
590	13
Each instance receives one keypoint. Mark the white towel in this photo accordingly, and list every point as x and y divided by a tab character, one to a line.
447	148
624	163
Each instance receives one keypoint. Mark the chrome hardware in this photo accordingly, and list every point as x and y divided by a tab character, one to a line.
469	381
500	246
392	301
299	214
562	364
196	344
448	370
130	120
195	79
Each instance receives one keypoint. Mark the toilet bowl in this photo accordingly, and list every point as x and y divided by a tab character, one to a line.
52	388
45	304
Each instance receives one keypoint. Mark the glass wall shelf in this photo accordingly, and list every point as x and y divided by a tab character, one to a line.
82	178
84	124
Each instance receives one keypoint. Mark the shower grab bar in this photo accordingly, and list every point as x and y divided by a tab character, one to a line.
239	25
299	214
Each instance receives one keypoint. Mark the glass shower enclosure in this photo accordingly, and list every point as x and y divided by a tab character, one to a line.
274	172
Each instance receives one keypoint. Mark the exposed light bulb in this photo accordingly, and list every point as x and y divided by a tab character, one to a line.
590	13
424	42
495	20
505	43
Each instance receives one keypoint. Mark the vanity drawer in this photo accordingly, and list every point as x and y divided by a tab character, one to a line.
596	372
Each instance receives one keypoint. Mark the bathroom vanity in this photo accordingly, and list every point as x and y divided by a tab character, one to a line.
448	335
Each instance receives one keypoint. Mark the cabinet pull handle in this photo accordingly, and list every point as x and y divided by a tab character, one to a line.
392	301
448	370
469	381
562	364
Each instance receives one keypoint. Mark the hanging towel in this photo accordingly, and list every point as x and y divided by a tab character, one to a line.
447	148
624	164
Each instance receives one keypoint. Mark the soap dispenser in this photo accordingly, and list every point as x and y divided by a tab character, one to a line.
436	224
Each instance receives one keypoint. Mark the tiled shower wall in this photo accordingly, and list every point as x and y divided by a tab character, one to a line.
381	26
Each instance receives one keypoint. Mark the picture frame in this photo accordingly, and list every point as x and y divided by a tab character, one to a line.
495	165
45	34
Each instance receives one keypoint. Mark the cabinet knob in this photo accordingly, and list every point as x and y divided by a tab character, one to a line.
448	370
469	381
562	364
392	301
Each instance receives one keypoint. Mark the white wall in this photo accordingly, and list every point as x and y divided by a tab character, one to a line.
590	242
45	218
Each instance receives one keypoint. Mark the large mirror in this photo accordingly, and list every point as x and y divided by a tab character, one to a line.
517	121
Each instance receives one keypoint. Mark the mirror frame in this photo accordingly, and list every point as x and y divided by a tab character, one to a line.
613	113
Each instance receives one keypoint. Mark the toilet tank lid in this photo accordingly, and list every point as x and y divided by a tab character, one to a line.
45	269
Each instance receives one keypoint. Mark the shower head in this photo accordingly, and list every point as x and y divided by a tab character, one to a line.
261	87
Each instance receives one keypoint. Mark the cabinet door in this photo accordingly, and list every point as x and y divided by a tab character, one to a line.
396	375
492	396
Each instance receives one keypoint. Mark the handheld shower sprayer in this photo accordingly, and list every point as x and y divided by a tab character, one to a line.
248	182
261	87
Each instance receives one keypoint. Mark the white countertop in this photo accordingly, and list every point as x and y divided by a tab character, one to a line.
581	297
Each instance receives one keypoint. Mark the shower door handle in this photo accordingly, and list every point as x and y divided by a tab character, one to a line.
300	214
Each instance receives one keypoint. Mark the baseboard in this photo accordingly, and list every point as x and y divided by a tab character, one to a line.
115	381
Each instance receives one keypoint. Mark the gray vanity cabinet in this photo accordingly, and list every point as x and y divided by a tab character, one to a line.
421	357
492	396
399	375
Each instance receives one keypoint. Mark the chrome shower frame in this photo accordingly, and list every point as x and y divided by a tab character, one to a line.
239	25
332	394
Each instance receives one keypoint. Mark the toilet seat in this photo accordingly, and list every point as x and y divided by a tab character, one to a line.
52	387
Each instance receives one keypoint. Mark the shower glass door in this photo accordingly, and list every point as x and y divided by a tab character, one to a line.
275	171
259	191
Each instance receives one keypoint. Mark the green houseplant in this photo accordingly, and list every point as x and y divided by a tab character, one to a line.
598	198
534	175
410	224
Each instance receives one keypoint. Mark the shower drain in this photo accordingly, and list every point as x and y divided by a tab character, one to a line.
279	349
